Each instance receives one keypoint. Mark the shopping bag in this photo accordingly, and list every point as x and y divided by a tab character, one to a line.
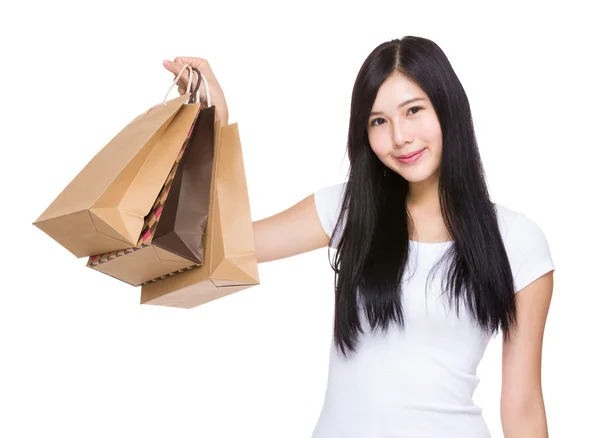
230	263
104	207
173	235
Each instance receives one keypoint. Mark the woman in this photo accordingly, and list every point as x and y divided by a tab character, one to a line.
427	267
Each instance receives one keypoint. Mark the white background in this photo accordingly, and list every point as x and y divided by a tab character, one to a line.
81	358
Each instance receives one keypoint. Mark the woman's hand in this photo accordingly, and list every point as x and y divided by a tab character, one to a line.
216	93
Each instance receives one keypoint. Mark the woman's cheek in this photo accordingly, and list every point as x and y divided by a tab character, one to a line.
430	128
377	144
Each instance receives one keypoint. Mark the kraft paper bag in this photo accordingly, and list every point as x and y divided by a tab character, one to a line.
104	207
173	235
181	227
230	263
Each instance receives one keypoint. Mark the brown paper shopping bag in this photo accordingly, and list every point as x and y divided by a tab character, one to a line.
173	235
103	208
230	263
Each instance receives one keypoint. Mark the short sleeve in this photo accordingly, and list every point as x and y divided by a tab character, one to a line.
529	252
328	203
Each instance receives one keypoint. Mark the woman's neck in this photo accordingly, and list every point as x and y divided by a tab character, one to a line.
423	196
423	205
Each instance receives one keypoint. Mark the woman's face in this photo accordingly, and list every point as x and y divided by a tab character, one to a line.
397	128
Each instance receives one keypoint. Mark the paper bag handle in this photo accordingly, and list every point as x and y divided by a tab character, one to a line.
189	85
206	89
195	95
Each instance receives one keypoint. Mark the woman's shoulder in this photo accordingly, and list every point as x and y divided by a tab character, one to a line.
335	189
507	218
526	245
515	224
329	197
328	203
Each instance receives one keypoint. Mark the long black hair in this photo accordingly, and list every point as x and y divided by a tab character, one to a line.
372	231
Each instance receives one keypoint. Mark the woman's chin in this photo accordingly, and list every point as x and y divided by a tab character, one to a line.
415	174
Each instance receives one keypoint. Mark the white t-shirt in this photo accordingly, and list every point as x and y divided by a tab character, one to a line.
419	383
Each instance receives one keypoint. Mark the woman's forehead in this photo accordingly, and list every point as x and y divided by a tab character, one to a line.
397	91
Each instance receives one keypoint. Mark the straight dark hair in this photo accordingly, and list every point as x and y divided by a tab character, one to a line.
372	231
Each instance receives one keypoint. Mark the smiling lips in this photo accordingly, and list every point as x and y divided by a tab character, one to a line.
410	158
410	155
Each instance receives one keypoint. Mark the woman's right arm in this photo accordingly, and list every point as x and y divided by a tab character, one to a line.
291	232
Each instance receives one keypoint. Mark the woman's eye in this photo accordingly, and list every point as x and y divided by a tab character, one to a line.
374	122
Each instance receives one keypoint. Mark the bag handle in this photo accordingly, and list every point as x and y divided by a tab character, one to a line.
195	95
201	78
189	85
206	89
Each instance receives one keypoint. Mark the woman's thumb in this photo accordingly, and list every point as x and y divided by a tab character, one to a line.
169	65
175	68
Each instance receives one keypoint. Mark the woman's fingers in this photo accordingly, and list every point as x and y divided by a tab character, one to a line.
200	63
175	68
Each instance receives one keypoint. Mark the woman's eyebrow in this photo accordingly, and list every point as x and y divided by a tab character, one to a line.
374	113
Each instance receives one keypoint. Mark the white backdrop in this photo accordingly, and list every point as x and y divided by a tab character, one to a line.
81	357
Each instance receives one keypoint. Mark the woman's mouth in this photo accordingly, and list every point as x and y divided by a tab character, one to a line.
412	157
